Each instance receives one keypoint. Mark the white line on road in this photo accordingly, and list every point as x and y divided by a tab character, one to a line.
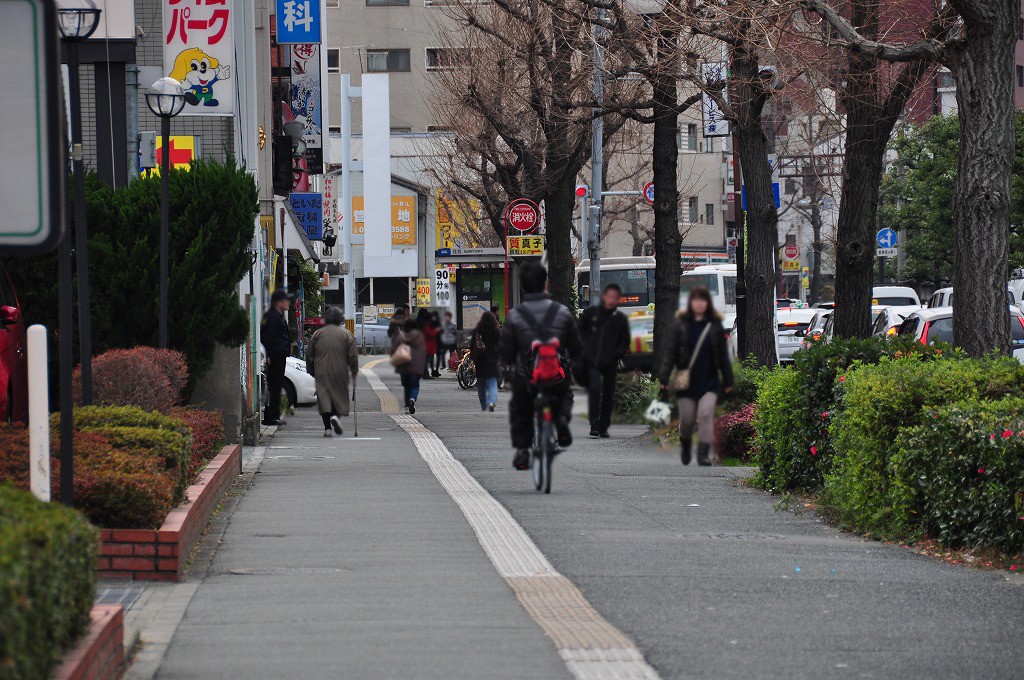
591	648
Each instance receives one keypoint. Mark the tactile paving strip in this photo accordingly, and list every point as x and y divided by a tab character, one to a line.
591	648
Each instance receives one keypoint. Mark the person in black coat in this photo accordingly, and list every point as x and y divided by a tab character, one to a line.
710	370
484	353
605	333
277	342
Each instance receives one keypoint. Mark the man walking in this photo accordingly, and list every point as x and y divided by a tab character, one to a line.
605	333
277	342
331	358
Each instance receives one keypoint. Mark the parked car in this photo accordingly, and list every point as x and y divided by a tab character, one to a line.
299	386
731	340
934	325
13	359
903	298
792	326
825	305
943	297
372	337
816	329
641	342
887	321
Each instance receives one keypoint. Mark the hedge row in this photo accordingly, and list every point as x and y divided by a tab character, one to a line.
131	466
901	441
47	583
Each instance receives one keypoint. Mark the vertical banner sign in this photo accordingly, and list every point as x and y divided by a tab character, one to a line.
377	258
298	21
199	49
309	209
306	98
715	124
331	217
422	292
443	286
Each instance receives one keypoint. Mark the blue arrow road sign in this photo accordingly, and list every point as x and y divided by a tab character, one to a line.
886	238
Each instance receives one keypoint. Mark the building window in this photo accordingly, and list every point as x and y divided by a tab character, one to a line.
945	79
1020	76
334	130
401	130
387	61
439	128
693	210
709	144
790	186
333	3
387	3
709	213
445	58
333	60
691	136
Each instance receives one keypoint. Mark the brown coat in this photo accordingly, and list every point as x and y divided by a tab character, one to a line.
332	358
419	352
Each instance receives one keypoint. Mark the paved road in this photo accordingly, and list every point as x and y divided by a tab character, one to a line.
350	559
731	587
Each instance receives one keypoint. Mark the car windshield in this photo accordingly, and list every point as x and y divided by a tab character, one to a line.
690	281
643	325
894	301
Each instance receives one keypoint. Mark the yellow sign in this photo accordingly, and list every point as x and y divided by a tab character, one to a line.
455	222
525	245
791	265
403	219
422	292
182	153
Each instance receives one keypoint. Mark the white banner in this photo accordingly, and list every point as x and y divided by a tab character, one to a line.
377	176
199	49
715	124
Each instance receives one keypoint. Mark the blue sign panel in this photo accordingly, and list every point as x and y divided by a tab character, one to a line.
298	21
776	194
309	209
886	238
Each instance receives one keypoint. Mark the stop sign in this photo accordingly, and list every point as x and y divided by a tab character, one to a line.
522	215
791	251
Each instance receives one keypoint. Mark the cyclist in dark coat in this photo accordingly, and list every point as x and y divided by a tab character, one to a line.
514	349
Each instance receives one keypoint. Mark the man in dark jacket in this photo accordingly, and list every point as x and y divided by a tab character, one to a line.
538	317
277	343
605	333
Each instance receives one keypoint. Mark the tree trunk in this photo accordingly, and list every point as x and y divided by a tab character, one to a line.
761	216
558	211
664	161
981	199
815	291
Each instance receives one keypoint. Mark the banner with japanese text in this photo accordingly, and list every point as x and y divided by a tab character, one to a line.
403	219
309	210
298	21
306	94
199	48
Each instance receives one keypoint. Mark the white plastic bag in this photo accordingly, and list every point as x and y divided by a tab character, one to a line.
658	413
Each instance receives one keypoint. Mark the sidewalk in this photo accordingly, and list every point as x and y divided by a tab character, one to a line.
347	558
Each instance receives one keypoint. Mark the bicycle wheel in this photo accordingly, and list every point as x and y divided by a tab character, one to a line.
542	455
549	457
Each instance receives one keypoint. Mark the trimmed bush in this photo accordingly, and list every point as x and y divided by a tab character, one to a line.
173	365
962	474
207	428
781	443
128	377
170	448
47	583
881	401
735	433
91	417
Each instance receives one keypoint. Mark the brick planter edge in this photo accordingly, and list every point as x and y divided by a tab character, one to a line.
160	554
100	654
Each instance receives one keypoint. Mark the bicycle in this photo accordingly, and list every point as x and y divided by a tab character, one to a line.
545	443
466	372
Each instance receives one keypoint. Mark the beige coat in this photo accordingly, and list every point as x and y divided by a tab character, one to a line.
332	358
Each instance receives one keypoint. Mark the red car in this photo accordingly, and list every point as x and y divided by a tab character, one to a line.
13	361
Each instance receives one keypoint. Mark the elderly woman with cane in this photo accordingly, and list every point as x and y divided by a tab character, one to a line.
331	358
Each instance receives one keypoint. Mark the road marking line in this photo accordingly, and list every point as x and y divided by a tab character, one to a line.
591	648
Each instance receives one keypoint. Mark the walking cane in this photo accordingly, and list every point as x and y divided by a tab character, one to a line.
355	413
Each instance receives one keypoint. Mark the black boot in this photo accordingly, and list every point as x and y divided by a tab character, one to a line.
703	454
684	450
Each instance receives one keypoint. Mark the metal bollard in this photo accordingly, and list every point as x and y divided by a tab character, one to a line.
38	413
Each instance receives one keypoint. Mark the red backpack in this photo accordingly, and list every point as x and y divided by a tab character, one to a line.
546	363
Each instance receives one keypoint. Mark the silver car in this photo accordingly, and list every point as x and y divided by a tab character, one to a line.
792	324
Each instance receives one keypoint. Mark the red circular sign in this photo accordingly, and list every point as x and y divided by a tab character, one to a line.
522	215
791	251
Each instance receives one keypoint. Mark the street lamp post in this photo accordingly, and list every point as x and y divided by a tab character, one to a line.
77	20
165	99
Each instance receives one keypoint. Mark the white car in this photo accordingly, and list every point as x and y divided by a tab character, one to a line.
792	325
943	297
299	385
928	326
887	321
729	324
902	299
372	337
816	329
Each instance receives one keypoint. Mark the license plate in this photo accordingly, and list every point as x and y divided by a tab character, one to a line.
791	340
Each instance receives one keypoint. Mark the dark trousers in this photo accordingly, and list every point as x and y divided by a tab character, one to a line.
275	382
410	387
601	392
327	419
520	412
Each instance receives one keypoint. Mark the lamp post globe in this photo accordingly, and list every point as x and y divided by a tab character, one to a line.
165	98
77	19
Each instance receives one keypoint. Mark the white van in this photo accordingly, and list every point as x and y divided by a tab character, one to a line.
943	297
903	299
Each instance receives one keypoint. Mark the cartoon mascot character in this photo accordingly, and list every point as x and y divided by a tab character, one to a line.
197	72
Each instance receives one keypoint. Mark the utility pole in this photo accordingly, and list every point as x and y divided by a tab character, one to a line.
740	224
347	218
597	164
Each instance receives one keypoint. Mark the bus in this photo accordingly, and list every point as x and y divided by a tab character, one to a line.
635	275
719	279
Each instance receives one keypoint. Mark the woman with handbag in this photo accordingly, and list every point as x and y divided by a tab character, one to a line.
696	350
409	357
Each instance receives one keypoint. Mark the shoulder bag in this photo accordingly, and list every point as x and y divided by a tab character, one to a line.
402	354
680	381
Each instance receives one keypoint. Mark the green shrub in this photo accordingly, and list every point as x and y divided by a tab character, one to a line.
89	417
961	474
735	434
171	448
207	429
782	457
878	402
47	583
633	394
